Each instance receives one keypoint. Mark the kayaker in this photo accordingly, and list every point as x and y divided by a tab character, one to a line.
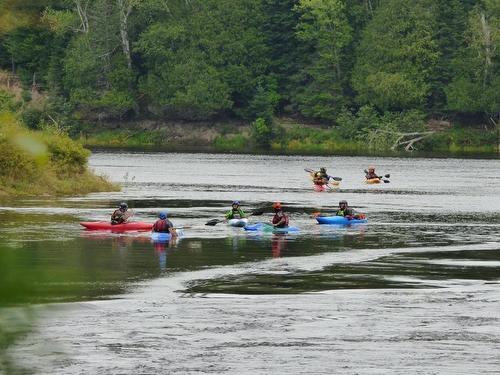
121	215
371	173
163	225
321	177
344	210
235	212
280	220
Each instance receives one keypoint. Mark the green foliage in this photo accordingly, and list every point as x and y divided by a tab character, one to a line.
7	102
262	133
231	143
202	60
475	86
264	102
30	51
196	67
396	56
324	27
43	162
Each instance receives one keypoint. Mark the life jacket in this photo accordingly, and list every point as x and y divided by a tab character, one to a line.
236	214
162	226
117	217
278	216
371	175
346	212
340	213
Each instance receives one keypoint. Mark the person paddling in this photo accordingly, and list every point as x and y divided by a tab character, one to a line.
280	219
163	225
344	210
121	215
321	177
235	212
371	173
347	212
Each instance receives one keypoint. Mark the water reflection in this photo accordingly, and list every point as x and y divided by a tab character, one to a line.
162	248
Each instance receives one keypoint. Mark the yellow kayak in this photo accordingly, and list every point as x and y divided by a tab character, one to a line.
373	181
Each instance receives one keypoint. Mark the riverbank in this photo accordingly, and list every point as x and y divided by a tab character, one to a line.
46	162
289	138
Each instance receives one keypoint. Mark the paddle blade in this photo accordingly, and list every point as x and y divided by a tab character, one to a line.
336	178
386	181
213	222
309	170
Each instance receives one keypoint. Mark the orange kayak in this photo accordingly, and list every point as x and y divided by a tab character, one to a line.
373	181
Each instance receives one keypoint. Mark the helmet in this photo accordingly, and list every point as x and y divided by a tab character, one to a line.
163	215
277	205
235	203
123	205
343	202
322	169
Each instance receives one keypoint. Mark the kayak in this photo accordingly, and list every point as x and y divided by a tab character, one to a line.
240	223
264	227
373	181
339	220
320	188
164	237
106	225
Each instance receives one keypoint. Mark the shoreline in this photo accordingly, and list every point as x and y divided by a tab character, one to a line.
213	150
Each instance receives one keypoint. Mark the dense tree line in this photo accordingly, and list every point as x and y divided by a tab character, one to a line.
329	61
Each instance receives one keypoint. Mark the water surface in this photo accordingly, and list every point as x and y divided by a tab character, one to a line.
415	290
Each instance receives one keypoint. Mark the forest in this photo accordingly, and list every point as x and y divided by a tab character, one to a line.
377	73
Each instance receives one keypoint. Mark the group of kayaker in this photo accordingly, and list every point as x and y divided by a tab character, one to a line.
280	219
321	178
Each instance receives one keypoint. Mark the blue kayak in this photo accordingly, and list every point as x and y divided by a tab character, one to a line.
264	227
339	220
164	237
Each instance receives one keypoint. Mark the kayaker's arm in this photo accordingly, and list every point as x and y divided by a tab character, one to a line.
173	232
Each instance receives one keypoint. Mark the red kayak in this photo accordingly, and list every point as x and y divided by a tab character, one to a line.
106	225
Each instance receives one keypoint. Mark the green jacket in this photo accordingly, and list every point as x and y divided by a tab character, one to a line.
238	214
346	212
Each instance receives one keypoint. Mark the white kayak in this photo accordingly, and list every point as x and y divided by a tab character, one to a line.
240	223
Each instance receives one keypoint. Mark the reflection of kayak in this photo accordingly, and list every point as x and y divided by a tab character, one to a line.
373	181
264	227
164	237
237	222
105	225
339	220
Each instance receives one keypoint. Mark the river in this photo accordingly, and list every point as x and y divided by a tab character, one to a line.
416	290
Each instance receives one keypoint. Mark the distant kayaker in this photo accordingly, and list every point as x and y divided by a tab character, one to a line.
344	210
235	212
371	173
280	219
321	177
121	215
163	225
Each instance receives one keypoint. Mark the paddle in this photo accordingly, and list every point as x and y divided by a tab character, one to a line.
214	222
309	170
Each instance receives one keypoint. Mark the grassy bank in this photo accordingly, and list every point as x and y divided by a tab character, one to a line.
290	139
45	162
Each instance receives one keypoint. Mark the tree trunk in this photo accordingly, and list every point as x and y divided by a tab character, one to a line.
125	8
487	43
81	9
